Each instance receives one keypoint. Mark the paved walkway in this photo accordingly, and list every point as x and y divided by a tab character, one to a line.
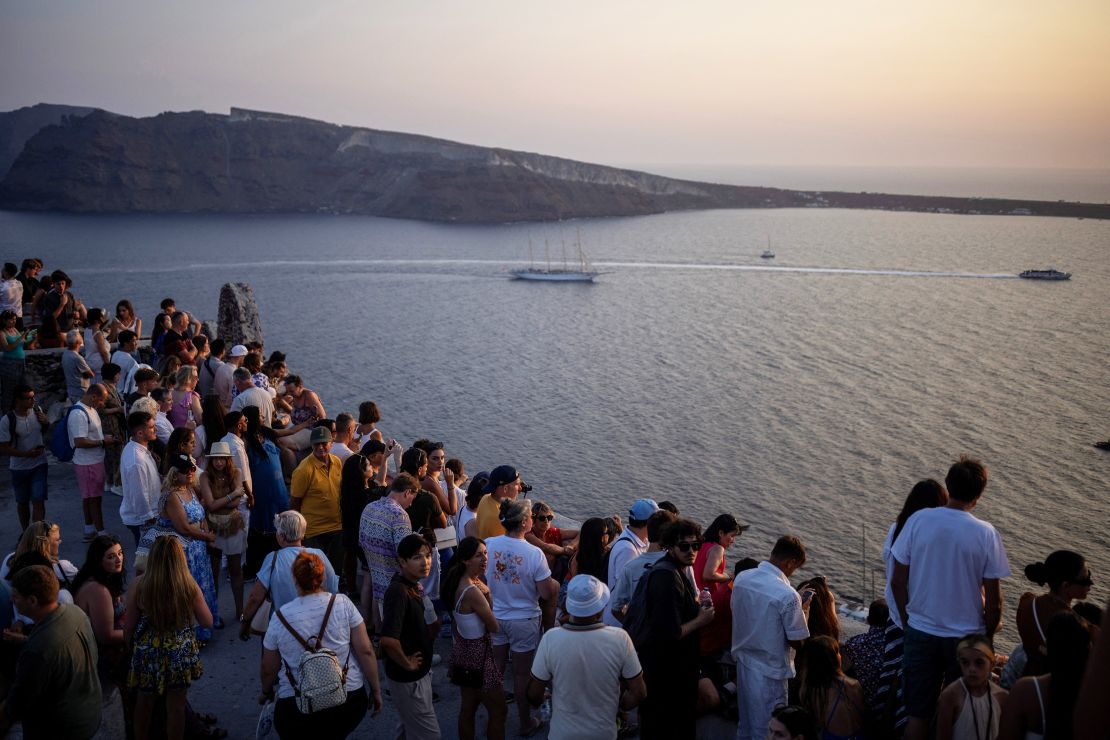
230	685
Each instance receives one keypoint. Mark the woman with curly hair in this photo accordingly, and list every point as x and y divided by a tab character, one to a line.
162	606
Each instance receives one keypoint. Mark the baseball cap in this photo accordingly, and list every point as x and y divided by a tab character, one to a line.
499	476
586	596
238	351
183	463
320	435
642	510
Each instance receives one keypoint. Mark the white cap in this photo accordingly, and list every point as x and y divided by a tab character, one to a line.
586	596
238	351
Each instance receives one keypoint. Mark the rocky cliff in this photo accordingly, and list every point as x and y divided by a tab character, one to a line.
17	126
255	162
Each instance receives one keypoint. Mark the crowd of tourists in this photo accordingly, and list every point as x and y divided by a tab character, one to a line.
363	553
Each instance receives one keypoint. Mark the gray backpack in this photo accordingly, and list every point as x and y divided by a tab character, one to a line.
323	681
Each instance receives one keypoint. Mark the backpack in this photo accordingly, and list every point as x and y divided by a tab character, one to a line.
60	446
636	620
323	682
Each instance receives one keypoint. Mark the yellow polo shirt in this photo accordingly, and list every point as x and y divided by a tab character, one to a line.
318	488
489	517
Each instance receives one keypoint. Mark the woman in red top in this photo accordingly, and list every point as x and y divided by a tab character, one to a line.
709	566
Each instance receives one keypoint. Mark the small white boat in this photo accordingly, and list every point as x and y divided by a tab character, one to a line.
767	254
1048	274
565	274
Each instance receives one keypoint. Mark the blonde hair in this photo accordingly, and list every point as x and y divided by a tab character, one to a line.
147	405
184	374
170	478
167	589
36	538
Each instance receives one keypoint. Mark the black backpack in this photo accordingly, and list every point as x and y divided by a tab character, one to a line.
637	621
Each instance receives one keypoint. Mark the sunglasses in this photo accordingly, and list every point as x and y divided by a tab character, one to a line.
1083	582
544	518
688	546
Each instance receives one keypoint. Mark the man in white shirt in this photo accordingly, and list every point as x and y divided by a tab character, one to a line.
344	434
21	439
209	366
11	290
88	440
224	381
946	585
141	482
123	357
592	668
251	395
768	625
631	543
634	569
162	424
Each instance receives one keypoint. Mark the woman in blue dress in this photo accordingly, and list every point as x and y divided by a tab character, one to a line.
181	509
271	496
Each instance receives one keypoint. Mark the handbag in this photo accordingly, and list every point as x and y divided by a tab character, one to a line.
226	525
446	537
260	622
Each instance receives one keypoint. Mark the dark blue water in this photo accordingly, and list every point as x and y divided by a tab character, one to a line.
802	401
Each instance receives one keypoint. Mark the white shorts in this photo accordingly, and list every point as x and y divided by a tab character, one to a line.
521	635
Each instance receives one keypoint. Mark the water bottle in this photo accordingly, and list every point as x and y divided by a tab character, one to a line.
705	598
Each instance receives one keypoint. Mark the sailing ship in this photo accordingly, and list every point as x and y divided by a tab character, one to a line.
582	273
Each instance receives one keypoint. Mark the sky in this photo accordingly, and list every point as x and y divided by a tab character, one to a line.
945	83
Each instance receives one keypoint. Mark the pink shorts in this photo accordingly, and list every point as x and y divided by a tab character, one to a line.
90	479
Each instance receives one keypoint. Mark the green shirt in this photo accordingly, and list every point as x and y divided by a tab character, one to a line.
56	692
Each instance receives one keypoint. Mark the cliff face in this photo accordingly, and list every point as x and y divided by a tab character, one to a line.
254	162
17	126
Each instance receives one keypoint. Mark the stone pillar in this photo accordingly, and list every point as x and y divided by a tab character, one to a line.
239	322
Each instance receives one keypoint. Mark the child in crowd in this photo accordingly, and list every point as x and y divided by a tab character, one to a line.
971	707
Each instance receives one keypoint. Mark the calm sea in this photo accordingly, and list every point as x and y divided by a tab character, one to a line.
800	398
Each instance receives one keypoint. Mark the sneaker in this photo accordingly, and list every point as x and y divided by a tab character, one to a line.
89	537
118	490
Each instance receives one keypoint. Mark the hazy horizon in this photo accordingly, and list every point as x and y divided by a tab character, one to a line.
1019	85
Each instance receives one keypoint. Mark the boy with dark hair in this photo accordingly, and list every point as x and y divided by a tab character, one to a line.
407	643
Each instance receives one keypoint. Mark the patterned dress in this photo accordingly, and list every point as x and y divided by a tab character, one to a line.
196	556
165	660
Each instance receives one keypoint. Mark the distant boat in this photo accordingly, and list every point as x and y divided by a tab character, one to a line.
585	273
1048	274
1103	445
767	253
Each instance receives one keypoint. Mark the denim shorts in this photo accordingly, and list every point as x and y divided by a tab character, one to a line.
29	485
928	664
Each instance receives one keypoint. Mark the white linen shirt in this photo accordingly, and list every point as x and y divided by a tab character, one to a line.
141	485
78	426
766	613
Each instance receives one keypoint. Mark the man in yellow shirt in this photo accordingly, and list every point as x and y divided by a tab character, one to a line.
504	483
315	493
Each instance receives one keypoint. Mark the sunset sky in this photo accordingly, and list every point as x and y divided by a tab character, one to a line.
947	83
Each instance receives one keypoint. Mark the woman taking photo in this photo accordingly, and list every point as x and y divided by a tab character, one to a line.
709	566
471	655
228	504
13	362
334	618
162	606
181	510
1069	579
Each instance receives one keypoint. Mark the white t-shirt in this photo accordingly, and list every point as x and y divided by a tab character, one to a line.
80	425
342	451
239	456
954	552
584	666
514	568
305	614
28	436
766	612
627	546
465	515
163	427
255	396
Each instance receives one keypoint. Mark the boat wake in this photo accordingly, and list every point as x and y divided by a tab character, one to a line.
502	266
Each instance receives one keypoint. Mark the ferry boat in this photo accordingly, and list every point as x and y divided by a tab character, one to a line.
1048	274
767	254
